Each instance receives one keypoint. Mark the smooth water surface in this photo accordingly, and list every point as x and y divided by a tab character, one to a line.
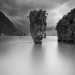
19	56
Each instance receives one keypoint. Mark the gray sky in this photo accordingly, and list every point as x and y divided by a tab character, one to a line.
17	10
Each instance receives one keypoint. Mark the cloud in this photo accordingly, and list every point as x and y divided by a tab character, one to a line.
18	10
57	13
15	7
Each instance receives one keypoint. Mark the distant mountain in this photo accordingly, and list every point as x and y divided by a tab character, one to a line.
51	32
7	27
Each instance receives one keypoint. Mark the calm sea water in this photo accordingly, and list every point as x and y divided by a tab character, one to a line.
19	56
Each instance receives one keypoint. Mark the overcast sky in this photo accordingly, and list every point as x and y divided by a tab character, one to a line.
17	10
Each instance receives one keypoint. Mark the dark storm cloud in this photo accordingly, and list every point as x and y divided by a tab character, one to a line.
15	7
8	6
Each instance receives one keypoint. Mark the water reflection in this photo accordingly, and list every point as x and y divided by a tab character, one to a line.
5	49
66	55
22	57
66	50
37	55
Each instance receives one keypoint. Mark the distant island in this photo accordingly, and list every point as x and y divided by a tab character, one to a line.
7	28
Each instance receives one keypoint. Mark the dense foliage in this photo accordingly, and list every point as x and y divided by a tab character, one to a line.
66	27
38	24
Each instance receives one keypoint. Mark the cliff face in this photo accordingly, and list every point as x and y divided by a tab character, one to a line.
66	27
7	27
38	25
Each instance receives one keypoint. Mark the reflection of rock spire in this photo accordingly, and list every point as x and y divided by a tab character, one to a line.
38	25
66	27
37	55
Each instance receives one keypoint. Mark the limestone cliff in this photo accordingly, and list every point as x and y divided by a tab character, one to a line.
66	27
7	27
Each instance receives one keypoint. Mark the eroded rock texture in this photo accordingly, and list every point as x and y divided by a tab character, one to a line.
66	27
38	25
